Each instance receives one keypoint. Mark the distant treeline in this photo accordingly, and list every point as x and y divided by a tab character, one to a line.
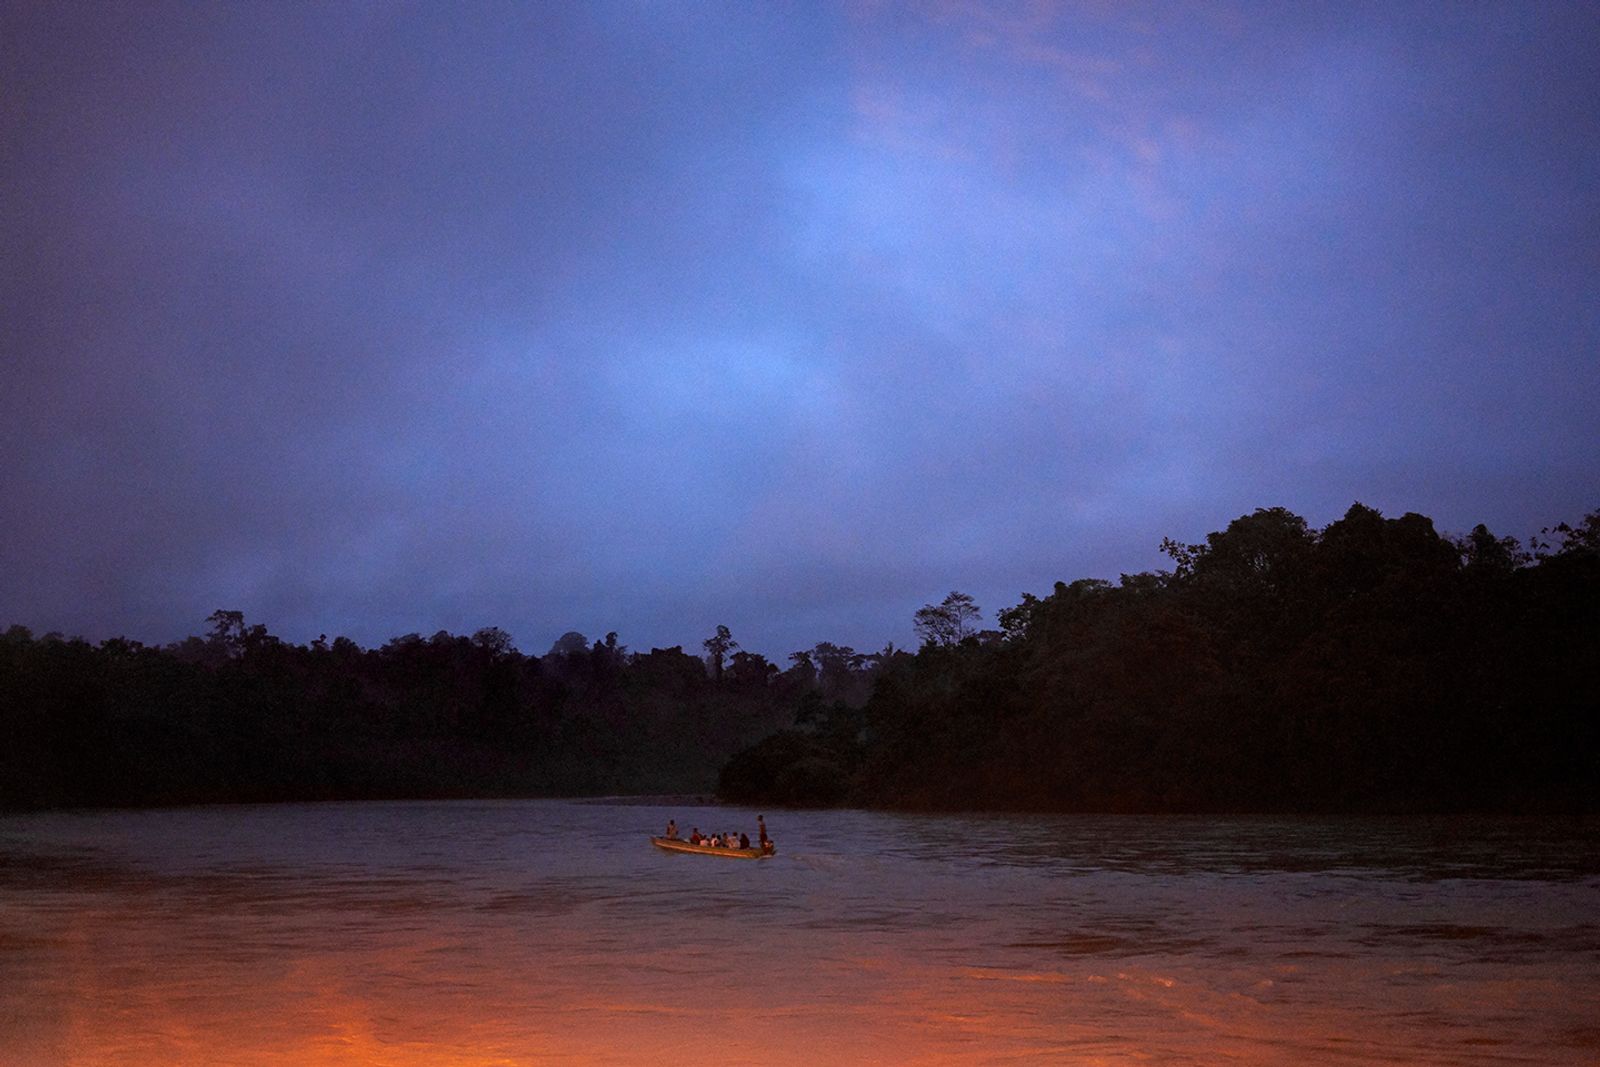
1371	666
1374	665
240	715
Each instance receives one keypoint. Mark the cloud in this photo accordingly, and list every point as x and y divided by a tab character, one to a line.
645	319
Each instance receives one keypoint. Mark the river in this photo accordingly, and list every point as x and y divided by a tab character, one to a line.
506	933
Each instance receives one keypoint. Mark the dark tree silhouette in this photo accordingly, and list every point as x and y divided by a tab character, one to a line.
948	623
1374	665
717	647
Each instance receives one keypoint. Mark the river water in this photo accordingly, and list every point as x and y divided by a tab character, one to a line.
550	932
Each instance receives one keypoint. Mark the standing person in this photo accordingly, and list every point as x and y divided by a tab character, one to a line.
672	829
761	831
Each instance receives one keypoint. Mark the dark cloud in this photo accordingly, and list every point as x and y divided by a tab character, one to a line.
371	319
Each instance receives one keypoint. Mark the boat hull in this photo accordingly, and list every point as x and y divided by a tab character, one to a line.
675	844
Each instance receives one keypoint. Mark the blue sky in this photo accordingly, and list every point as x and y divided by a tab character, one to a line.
646	317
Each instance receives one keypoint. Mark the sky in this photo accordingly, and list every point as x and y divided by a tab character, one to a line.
378	318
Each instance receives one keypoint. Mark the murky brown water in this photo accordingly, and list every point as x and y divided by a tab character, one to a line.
548	932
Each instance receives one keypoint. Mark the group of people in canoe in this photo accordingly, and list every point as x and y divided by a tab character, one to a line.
727	840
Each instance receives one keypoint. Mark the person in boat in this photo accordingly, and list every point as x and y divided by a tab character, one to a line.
672	829
694	838
744	840
761	832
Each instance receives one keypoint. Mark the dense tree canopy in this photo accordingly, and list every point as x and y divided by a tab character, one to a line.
1374	665
240	715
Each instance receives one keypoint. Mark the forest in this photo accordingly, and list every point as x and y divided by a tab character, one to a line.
241	715
1374	665
1371	666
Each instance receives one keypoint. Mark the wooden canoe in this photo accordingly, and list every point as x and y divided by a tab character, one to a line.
678	844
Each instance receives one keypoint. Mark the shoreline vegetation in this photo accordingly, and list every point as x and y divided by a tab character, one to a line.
1372	666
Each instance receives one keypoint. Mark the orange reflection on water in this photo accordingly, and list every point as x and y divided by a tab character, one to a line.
259	970
126	993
